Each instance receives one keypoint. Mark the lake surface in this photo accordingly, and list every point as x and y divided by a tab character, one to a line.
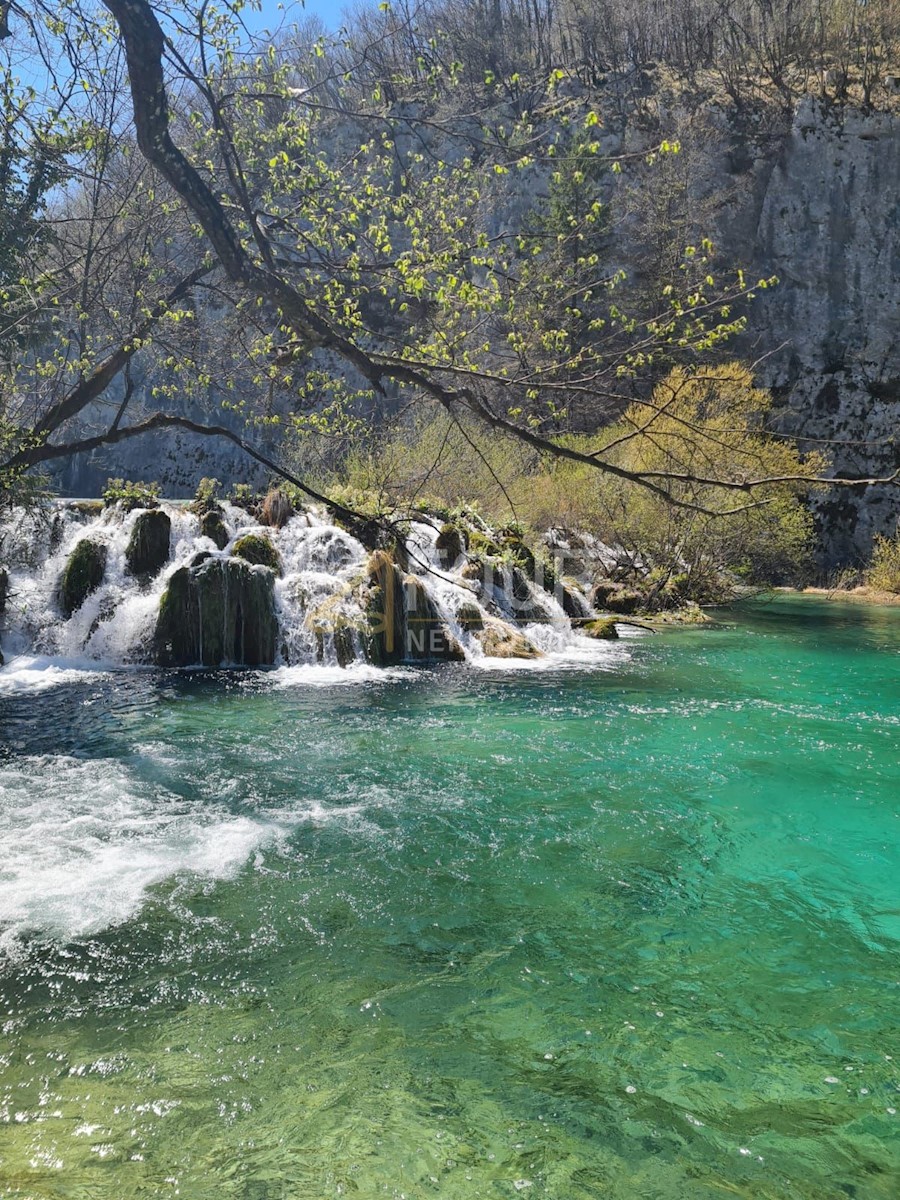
627	931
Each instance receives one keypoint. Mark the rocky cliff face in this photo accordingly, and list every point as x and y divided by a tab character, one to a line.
821	210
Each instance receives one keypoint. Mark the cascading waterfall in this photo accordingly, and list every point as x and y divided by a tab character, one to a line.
324	598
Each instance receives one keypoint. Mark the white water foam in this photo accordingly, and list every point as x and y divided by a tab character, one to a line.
81	842
26	673
330	676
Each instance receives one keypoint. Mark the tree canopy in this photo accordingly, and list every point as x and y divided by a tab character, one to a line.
271	226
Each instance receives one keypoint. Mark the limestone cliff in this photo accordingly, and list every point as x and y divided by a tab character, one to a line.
826	221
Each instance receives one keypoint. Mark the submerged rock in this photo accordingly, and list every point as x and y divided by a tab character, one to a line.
83	574
222	611
212	525
258	550
147	551
499	640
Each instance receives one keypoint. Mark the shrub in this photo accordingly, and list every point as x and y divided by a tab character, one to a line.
243	496
206	497
130	495
884	569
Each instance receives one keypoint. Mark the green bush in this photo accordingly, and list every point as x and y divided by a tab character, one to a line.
884	569
206	497
129	495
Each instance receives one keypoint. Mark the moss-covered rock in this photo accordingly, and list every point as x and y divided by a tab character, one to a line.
470	617
483	545
499	640
147	551
212	525
450	545
257	549
426	637
602	590
625	600
86	508
603	628
382	603
82	574
222	611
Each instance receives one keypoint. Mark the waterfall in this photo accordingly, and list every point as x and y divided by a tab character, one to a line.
305	594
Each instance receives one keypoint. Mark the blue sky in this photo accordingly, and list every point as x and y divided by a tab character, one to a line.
275	13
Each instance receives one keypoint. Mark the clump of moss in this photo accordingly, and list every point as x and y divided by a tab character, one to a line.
482	545
83	574
258	550
130	495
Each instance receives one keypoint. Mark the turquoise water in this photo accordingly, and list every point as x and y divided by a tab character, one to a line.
629	932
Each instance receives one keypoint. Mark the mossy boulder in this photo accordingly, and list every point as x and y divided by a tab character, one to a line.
603	629
147	551
82	574
222	611
601	590
499	640
426	637
450	545
470	617
258	550
483	545
212	525
624	600
86	508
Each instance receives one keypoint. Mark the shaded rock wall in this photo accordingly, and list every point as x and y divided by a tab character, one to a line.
827	223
